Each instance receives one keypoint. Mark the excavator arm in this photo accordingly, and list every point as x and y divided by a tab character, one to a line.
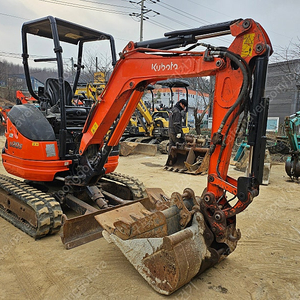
233	68
170	246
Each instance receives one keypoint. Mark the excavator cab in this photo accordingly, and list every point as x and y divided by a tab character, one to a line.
43	142
57	95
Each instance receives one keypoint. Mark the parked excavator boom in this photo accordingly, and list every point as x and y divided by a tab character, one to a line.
204	231
292	164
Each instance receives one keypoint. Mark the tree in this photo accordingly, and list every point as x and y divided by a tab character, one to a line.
92	64
203	86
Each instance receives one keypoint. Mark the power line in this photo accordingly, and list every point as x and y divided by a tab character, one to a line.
174	20
107	4
124	12
19	56
182	13
190	17
94	8
7	15
65	3
160	25
209	8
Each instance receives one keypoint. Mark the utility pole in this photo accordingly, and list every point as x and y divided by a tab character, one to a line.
142	20
142	15
72	68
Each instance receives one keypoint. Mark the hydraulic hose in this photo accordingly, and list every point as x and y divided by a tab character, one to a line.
245	87
244	94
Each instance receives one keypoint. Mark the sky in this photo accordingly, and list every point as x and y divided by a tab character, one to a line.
279	19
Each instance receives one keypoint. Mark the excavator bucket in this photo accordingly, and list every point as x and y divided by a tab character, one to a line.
169	245
191	157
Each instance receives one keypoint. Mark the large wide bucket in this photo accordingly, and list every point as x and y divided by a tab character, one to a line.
167	247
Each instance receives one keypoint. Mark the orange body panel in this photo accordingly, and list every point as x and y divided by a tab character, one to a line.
35	170
22	147
111	164
32	160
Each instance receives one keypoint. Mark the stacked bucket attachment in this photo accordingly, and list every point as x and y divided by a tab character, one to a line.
168	241
191	157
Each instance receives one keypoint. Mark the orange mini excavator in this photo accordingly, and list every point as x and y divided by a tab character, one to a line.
64	152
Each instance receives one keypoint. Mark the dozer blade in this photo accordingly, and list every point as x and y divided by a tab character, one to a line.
191	160
80	230
127	148
83	229
161	247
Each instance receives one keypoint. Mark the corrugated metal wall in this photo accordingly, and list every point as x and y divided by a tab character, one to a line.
282	88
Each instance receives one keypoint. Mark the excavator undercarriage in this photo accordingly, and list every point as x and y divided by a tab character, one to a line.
40	209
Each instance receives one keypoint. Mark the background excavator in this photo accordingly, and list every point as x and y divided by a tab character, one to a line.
146	129
149	126
20	99
168	240
292	164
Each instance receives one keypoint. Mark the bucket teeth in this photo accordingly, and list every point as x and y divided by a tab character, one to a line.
133	222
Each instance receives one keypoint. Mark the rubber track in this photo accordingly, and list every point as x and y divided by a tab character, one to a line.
136	187
279	147
47	209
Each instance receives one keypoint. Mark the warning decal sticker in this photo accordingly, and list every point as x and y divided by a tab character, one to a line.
247	47
94	128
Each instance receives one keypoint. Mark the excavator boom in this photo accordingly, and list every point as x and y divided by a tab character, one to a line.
172	243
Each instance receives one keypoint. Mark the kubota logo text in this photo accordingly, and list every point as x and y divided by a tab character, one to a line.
162	67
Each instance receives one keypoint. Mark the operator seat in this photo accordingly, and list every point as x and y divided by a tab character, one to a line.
75	115
52	91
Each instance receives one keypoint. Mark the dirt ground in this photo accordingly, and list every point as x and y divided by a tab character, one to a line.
265	264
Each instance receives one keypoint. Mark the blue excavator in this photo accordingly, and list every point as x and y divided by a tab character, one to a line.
292	164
